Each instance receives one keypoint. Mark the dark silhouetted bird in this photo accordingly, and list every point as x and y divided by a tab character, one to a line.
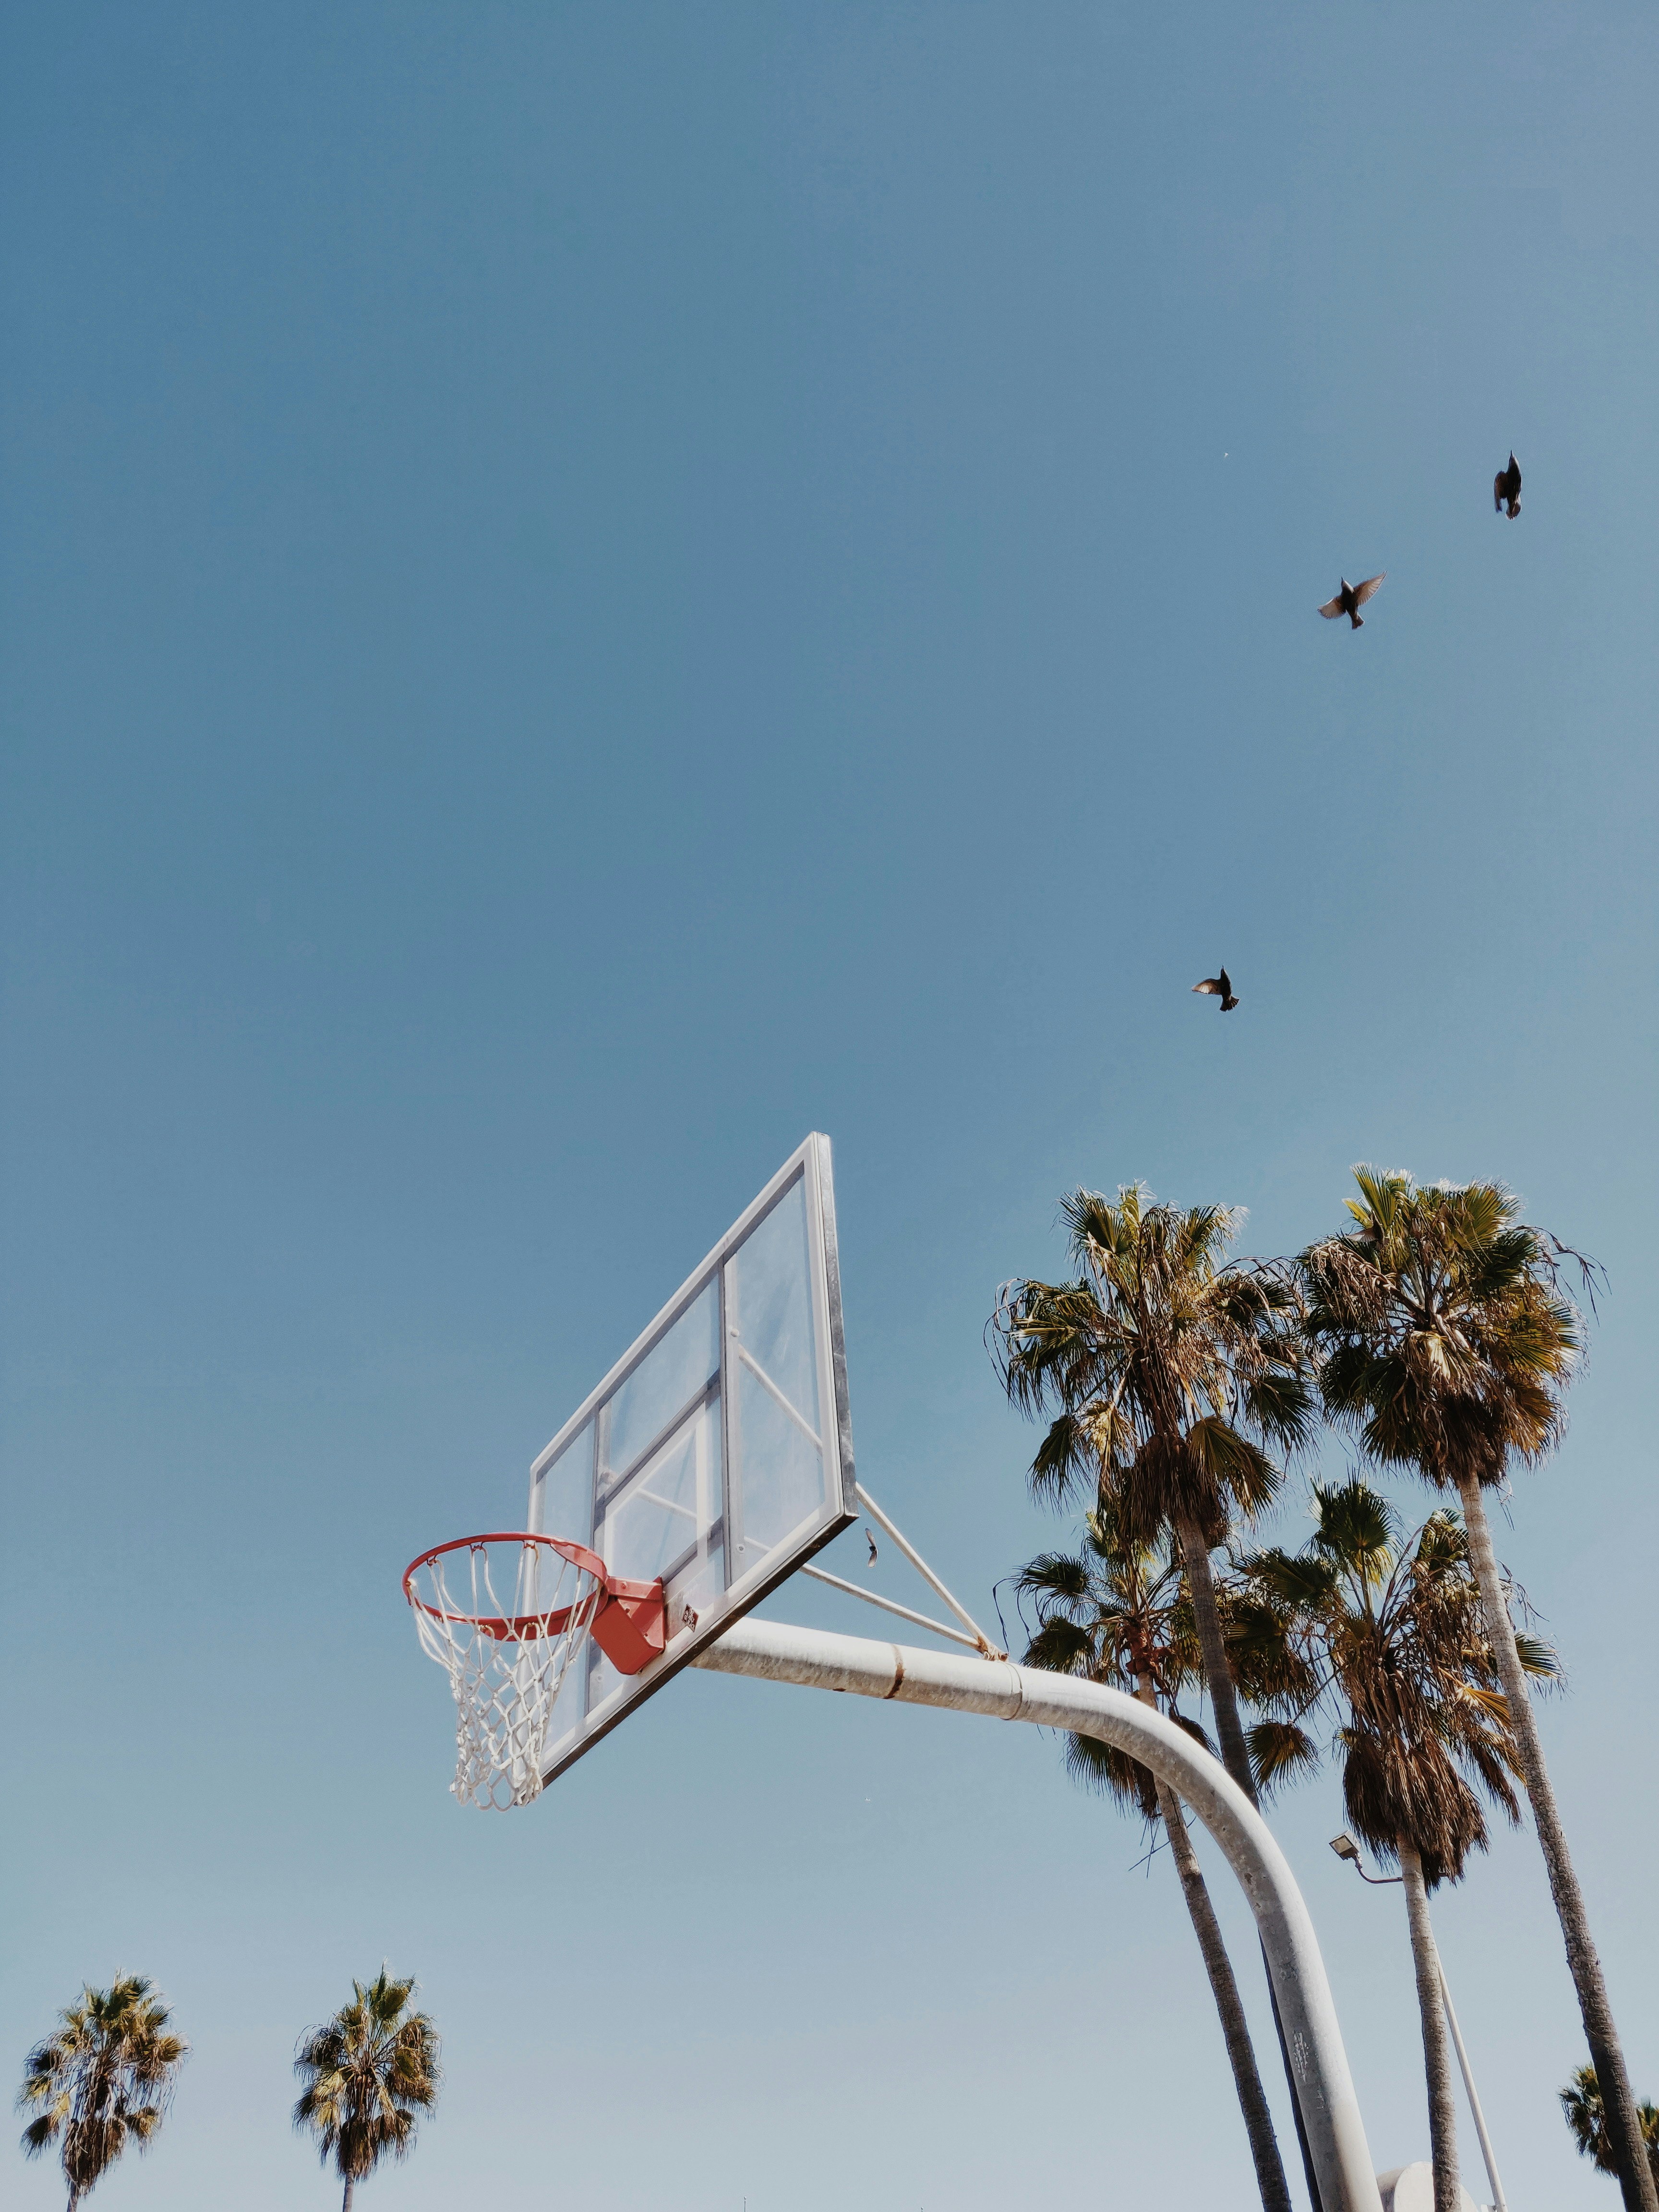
1219	987
1350	600
1506	490
870	1542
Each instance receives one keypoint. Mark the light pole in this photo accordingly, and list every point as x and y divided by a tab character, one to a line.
1346	1848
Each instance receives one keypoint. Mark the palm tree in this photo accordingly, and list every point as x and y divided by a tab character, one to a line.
1395	1630
1446	1343
103	2081
1167	1370
1581	2101
1114	1612
366	2073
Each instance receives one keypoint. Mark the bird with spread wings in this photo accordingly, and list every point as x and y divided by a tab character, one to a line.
1350	600
1219	987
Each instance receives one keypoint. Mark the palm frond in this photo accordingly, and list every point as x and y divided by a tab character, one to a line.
1188	1726
1538	1658
1237	1468
1111	1773
1282	1405
1266	1649
1586	2117
1060	1647
1056	1575
1066	1455
1281	1753
1297	1581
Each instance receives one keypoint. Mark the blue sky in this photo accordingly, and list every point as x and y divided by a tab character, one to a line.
584	591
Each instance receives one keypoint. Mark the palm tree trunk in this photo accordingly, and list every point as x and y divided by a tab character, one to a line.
1218	1673
1624	2124
1247	2079
1436	2045
351	2183
1223	1987
1235	1758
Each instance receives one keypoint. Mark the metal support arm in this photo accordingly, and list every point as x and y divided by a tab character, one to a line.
914	1556
887	1605
775	1652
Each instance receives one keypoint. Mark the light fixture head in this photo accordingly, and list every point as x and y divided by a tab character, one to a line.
1345	1846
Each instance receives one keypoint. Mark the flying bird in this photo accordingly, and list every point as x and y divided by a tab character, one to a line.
1350	600
1506	488
1219	987
870	1542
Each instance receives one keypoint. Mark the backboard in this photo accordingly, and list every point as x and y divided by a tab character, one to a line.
717	1453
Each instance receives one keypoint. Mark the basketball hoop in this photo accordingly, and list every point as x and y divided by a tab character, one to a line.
507	1663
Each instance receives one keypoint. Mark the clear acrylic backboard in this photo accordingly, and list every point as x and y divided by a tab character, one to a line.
717	1453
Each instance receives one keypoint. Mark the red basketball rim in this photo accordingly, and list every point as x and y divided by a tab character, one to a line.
505	1630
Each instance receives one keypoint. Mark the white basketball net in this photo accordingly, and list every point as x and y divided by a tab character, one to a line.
506	1663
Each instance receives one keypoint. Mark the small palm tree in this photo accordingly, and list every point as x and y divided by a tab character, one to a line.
366	2073
1446	1342
1167	1370
1581	2101
103	2081
1114	1612
1395	1630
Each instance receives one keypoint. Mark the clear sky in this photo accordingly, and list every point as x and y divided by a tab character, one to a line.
584	590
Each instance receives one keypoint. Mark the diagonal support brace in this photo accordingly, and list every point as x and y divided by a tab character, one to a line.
981	1641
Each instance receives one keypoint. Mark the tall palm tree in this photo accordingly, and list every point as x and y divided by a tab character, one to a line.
1396	1633
366	2073
104	2080
1167	1371
1114	1612
1581	2102
1446	1343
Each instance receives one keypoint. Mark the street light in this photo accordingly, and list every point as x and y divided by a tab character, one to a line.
1346	1849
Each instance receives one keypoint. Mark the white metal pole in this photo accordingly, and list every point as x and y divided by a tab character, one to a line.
1336	2133
1499	2203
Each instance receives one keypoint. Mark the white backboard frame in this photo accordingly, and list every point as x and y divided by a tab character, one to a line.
698	1611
